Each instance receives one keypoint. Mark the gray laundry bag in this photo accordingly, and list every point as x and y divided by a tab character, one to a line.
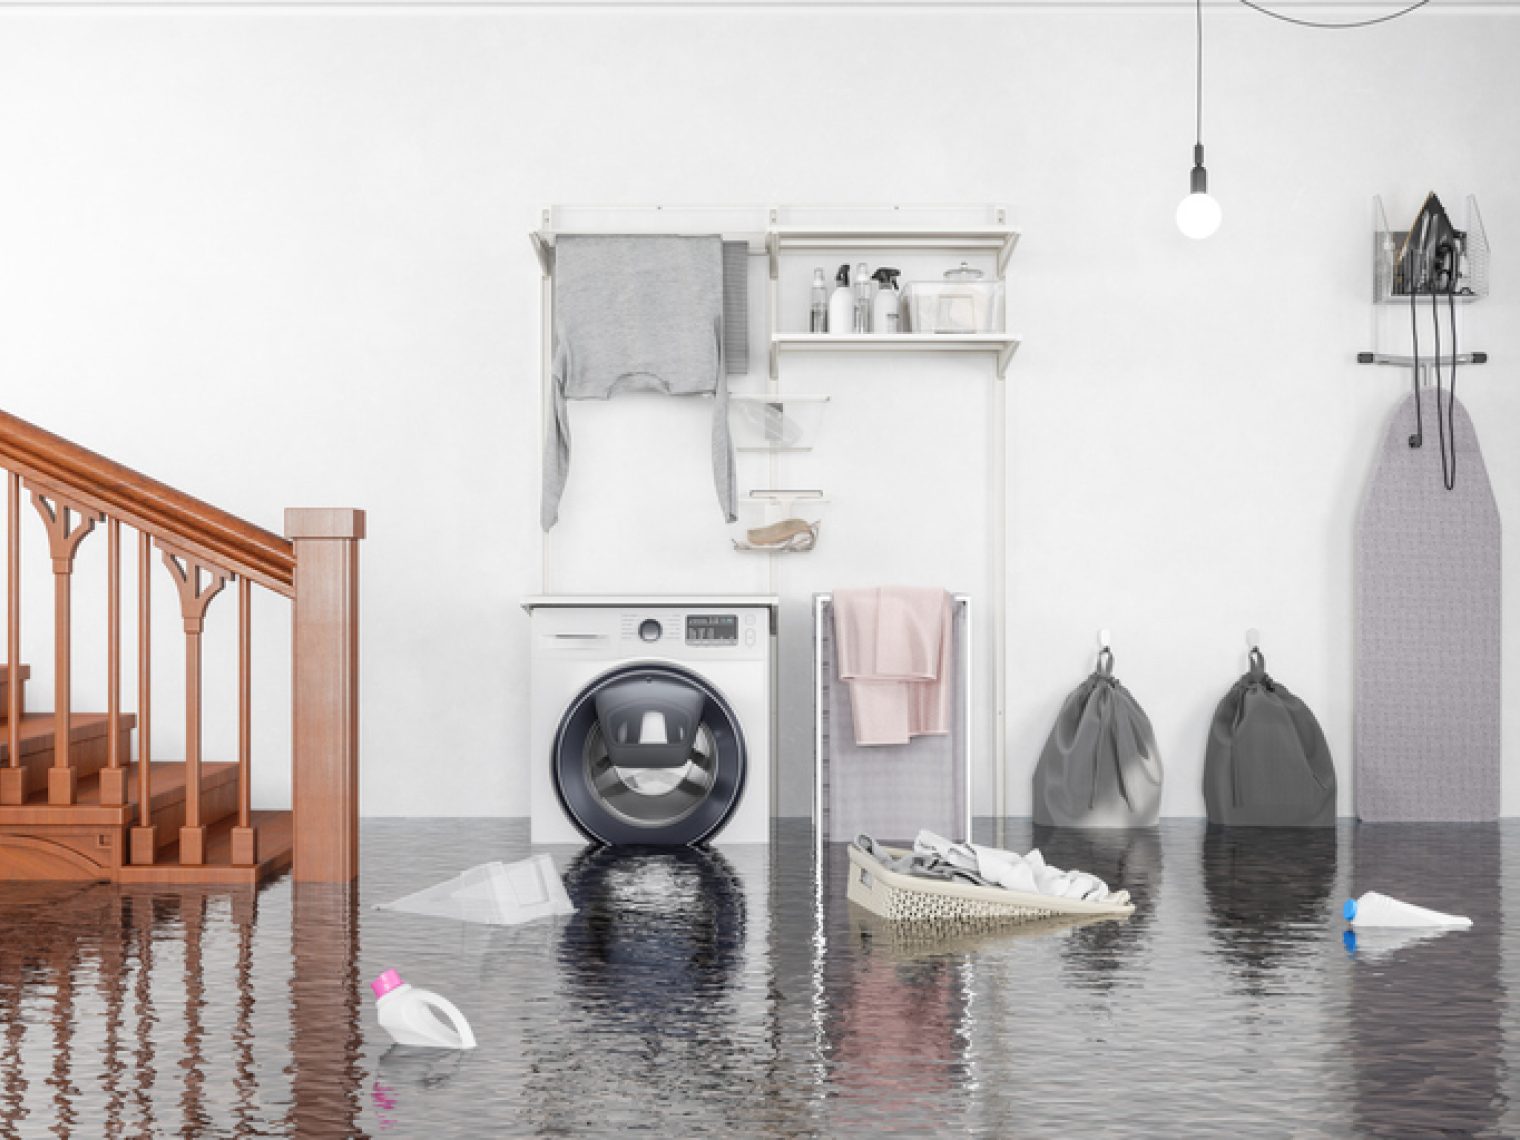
1268	764
1100	767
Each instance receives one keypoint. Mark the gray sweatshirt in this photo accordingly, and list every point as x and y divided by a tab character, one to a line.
636	314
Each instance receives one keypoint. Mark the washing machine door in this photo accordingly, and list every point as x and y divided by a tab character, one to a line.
649	754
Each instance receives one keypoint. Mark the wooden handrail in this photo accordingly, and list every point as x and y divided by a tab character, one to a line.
145	503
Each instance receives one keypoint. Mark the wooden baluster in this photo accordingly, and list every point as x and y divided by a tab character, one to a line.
63	544
244	839
193	600
144	835
13	776
113	780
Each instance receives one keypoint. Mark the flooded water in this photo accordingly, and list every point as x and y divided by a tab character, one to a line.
731	993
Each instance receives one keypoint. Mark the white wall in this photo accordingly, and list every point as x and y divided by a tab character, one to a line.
278	257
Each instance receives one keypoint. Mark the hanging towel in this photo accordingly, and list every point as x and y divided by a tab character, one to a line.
636	314
736	308
894	653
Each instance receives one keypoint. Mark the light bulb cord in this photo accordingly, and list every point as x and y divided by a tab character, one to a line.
1198	101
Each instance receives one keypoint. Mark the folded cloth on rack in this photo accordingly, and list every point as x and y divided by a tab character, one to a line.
636	314
893	651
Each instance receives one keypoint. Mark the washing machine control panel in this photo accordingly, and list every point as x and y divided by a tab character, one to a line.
712	629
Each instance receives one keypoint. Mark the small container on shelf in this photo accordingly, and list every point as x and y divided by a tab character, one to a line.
762	422
779	521
964	302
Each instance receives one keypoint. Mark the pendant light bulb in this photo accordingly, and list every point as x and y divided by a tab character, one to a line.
1199	215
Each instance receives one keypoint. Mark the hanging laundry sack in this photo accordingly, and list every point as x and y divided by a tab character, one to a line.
1268	764
1100	767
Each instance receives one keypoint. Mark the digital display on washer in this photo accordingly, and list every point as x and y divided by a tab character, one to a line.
712	629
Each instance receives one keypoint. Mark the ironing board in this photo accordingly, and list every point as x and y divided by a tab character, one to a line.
1427	630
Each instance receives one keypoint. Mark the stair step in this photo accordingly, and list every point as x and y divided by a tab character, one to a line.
276	841
87	745
23	672
167	806
218	797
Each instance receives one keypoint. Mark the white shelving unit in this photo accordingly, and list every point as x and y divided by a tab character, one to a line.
773	232
995	239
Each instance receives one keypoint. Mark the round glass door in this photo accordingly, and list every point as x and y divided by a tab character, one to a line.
649	754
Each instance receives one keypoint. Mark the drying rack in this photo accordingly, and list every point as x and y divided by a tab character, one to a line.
965	666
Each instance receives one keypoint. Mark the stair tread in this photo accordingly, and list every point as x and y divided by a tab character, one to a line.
37	730
276	842
168	787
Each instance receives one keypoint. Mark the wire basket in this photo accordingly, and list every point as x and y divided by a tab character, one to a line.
1389	280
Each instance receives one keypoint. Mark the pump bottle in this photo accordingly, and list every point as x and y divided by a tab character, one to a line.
818	311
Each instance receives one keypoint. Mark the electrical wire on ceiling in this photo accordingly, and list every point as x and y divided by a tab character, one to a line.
1265	11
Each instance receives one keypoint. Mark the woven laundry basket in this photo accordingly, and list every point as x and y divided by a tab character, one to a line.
912	898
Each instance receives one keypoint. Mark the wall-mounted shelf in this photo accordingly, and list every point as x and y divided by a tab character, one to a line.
1004	345
999	240
1394	361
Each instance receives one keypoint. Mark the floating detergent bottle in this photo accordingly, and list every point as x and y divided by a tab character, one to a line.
818	311
406	1013
1373	909
886	309
841	302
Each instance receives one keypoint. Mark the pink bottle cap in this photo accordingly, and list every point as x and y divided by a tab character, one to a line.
385	983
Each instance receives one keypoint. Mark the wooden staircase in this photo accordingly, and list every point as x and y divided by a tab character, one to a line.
73	804
90	839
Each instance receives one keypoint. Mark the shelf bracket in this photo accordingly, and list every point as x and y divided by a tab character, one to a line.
545	253
775	355
773	253
1005	356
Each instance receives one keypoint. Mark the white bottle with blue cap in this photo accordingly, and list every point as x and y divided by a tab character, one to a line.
1373	909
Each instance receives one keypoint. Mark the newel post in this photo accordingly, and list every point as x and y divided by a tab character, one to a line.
325	698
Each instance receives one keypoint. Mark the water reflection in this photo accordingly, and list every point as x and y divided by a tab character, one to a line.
896	1018
1102	955
1424	1030
1269	892
325	1037
733	993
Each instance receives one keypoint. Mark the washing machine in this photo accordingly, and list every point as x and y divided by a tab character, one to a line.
652	719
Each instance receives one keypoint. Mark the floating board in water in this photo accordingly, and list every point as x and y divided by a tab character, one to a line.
1427	630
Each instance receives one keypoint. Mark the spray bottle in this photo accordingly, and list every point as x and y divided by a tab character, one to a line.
886	309
862	317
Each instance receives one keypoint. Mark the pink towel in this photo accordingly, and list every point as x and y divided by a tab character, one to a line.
892	647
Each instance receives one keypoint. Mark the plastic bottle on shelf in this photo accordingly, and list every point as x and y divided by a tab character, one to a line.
818	311
1373	909
841	302
406	1013
862	316
886	309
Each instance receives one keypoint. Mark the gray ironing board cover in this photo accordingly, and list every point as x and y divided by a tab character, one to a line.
1427	631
